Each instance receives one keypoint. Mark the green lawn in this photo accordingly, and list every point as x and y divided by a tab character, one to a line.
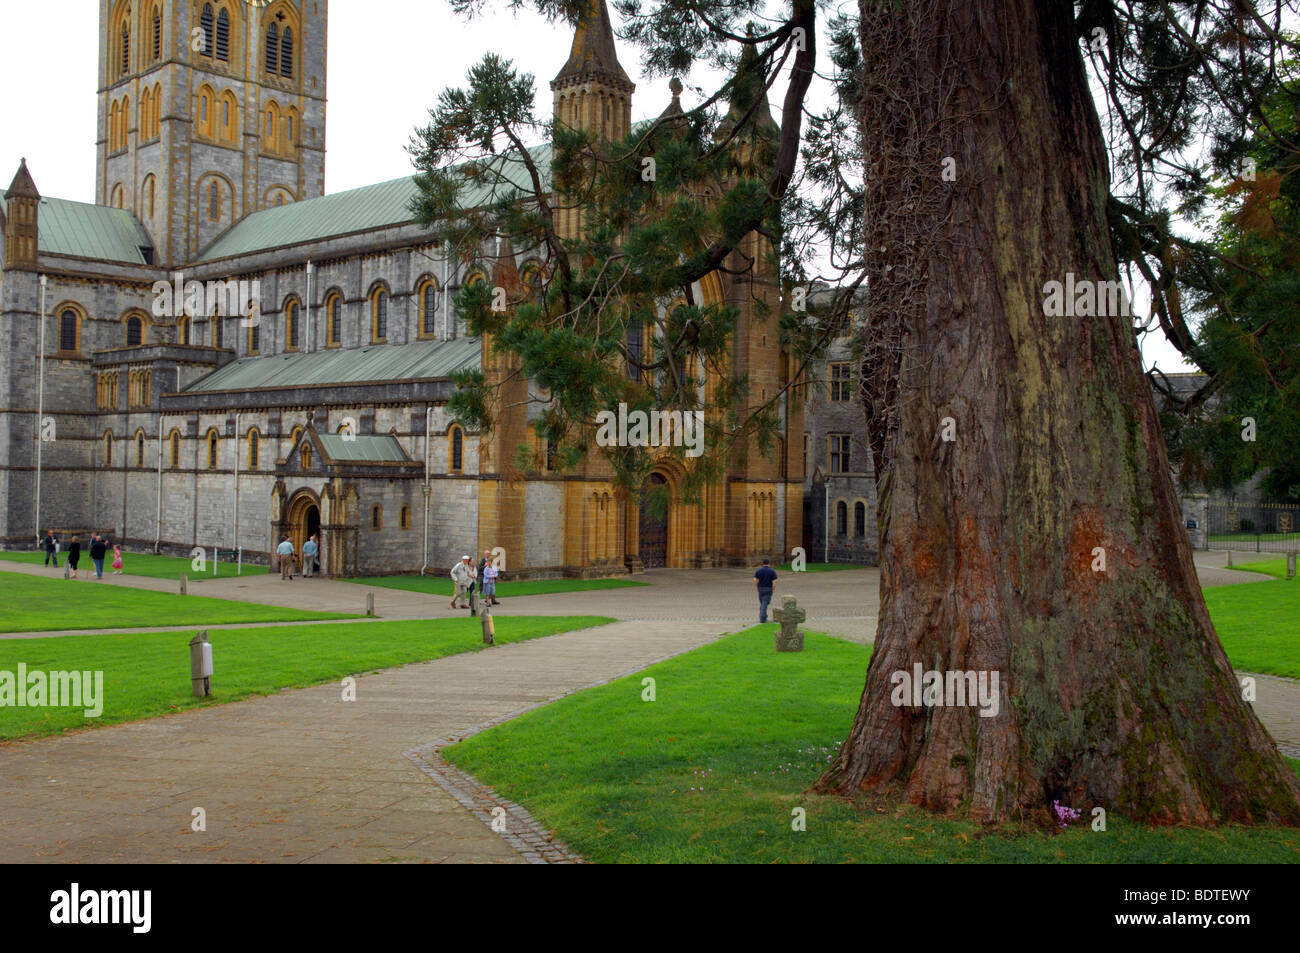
440	584
1259	625
820	567
711	770
33	604
1253	537
1270	567
144	564
149	674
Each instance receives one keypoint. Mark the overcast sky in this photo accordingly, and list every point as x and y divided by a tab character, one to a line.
387	63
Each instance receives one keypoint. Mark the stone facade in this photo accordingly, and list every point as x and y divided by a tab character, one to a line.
146	446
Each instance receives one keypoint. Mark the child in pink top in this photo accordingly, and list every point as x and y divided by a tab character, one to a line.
117	560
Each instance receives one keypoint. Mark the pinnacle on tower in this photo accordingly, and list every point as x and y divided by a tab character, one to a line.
593	55
22	185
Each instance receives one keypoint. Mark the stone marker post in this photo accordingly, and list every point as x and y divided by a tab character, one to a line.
1290	564
370	603
788	637
201	664
184	585
489	628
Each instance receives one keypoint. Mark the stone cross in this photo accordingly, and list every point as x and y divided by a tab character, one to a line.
788	637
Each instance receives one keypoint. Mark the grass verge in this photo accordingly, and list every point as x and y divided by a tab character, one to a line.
711	771
34	604
441	585
149	674
145	564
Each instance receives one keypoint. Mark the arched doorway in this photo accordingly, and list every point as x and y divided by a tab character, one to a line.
303	521
653	527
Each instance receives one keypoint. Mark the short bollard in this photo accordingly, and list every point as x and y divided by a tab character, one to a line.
489	627
1230	559
184	585
201	664
370	603
474	603
788	637
1290	564
67	570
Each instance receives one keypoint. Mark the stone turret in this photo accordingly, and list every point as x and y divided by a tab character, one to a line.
753	150
20	225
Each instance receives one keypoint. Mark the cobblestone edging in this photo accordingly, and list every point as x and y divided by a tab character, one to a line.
523	832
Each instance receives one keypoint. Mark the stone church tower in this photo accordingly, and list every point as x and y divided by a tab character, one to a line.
208	110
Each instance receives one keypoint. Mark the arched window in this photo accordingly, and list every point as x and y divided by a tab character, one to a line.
114	125
146	103
294	434
175	440
108	448
859	519
183	332
223	35
139	448
333	319
117	198
214	202
379	315
841	518
124	51
290	141
456	440
272	47
218	329
376	517
134	331
229	117
635	338
149	189
286	53
254	338
306	455
428	299
212	448
206	21
207	110
155	120
404	518
291	324
157	35
254	448
69	331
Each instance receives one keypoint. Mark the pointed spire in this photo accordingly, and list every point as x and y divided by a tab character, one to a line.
22	185
674	109
593	54
750	86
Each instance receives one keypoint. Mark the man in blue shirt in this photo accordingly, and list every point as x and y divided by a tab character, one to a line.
764	581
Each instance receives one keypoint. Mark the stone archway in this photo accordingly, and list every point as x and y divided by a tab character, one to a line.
302	518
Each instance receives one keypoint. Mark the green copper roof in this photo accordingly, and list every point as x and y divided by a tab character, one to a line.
91	231
420	360
363	209
362	448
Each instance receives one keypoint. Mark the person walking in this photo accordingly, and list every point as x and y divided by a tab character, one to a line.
463	575
74	555
117	560
309	551
285	553
98	550
488	575
51	547
764	582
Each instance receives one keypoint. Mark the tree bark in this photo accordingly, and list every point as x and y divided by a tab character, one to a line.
1114	689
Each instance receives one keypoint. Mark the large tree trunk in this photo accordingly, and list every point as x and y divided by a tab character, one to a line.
1114	689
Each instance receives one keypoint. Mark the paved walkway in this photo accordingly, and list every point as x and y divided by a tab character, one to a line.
305	776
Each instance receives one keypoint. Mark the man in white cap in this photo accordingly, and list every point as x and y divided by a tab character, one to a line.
463	575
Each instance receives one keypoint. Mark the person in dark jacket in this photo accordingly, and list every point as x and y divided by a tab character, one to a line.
51	547
74	555
98	550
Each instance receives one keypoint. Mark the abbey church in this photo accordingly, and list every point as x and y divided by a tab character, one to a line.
323	408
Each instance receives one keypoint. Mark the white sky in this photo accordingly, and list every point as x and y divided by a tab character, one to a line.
387	63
